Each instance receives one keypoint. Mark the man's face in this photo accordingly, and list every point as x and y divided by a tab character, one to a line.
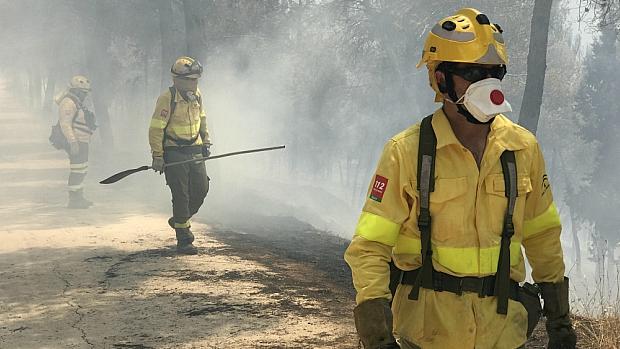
185	84
80	93
465	74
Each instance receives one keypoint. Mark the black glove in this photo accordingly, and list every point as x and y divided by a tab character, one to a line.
556	310
373	320
206	152
158	164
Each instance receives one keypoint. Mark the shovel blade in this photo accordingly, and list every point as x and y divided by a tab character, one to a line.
117	177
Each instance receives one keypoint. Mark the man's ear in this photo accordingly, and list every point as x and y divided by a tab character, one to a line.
440	77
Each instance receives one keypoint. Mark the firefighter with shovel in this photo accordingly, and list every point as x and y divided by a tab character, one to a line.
178	132
180	145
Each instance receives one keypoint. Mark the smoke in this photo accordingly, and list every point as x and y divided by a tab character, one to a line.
331	80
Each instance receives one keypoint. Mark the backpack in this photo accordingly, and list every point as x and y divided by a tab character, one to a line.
57	137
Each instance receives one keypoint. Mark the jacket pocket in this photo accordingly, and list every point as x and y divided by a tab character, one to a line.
447	205
498	202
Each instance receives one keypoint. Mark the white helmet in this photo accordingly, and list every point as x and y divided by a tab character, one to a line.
80	82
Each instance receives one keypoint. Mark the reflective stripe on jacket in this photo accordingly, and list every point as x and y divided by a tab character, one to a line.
187	123
467	209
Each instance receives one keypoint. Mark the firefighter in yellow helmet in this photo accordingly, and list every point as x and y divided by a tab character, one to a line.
452	202
178	132
77	124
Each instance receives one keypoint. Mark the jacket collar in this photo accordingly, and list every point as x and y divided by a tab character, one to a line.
503	132
178	98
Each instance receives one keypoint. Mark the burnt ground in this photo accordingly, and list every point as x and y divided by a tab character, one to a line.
268	239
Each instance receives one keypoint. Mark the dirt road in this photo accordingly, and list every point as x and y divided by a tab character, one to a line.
108	277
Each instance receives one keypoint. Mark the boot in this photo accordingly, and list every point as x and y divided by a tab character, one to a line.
88	202
77	201
184	241
188	233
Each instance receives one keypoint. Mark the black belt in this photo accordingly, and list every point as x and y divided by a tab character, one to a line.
192	149
483	286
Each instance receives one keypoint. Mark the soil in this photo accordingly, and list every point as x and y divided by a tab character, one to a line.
109	276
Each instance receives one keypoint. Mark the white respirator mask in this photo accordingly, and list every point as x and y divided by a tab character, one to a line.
484	99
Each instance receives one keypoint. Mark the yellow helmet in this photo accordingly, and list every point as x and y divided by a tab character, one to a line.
80	82
466	37
186	67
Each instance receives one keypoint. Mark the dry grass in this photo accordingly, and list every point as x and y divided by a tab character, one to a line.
596	311
598	332
602	332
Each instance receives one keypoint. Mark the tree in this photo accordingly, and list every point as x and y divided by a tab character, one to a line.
536	65
195	40
570	156
600	13
99	65
598	102
168	40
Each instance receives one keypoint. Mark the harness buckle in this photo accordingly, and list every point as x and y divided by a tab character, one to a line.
424	219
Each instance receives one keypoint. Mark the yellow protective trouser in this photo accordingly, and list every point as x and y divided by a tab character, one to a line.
441	320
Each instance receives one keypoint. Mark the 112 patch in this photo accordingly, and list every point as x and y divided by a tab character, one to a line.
378	188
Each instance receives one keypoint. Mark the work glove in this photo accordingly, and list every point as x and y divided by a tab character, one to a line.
206	151
74	148
158	164
556	310
373	320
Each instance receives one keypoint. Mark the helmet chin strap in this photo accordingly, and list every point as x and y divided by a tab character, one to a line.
461	109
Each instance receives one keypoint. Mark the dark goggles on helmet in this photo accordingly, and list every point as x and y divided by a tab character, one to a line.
473	73
194	68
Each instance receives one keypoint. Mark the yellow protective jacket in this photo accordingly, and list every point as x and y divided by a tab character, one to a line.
187	123
73	125
467	210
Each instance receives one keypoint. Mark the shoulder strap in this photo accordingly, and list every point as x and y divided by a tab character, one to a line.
77	103
173	101
502	277
426	184
173	106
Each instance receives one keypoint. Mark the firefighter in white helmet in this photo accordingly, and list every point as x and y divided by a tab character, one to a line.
452	202
77	124
178	131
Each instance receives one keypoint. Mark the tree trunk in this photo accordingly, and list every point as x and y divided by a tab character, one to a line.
611	264
167	41
50	88
99	68
600	247
34	88
536	66
576	243
195	42
146	103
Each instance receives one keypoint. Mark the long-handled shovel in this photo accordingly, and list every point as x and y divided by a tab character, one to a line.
117	177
